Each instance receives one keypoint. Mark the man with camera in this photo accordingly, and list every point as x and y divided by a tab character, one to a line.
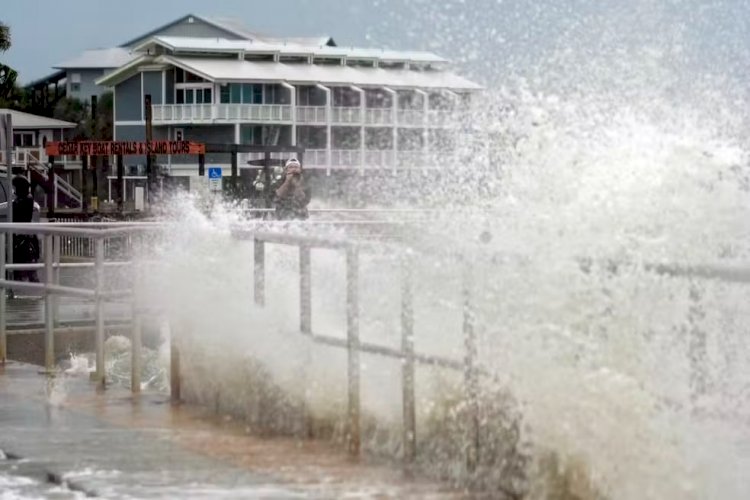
292	197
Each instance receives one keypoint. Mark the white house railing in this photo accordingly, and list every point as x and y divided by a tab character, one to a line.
379	116
305	115
312	114
36	155
346	115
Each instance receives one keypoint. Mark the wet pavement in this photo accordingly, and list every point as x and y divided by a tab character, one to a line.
112	445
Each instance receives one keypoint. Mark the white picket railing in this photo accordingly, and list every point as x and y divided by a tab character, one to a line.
310	115
34	155
379	116
346	115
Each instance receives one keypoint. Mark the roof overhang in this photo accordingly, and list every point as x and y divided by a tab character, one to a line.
124	72
229	71
218	46
240	70
55	77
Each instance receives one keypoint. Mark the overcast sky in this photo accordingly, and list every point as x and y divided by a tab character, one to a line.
485	36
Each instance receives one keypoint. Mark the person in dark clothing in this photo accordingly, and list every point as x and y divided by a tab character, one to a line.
293	196
25	246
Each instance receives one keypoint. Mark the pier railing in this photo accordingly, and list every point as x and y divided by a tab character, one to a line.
262	236
354	346
53	236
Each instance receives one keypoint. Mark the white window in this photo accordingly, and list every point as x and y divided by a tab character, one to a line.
179	134
75	82
191	94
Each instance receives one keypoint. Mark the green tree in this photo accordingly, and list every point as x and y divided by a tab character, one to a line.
4	37
79	112
74	110
102	128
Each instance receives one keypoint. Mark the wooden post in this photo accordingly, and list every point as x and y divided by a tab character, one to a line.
52	193
84	184
259	272
407	348
174	369
202	165
352	335
267	194
471	378
95	160
233	191
305	286
150	177
119	188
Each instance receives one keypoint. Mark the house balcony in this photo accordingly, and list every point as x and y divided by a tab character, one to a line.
166	114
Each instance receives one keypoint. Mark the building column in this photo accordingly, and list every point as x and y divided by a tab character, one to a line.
456	99
329	112
394	110
362	107
293	102
425	124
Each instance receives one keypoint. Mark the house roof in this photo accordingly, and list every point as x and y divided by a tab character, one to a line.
56	77
177	21
195	45
231	26
228	70
98	58
23	120
238	28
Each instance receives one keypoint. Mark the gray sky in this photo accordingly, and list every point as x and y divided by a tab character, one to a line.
487	37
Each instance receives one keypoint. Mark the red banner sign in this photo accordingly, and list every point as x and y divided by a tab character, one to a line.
107	148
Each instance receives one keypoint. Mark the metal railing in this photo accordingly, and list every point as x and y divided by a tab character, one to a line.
352	343
469	365
261	237
84	247
52	236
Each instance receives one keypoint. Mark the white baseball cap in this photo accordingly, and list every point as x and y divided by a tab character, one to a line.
292	162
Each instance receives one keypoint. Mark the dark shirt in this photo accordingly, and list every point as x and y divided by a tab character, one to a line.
292	203
23	210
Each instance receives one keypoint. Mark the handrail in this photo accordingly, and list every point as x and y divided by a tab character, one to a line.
52	235
352	342
406	354
104	229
